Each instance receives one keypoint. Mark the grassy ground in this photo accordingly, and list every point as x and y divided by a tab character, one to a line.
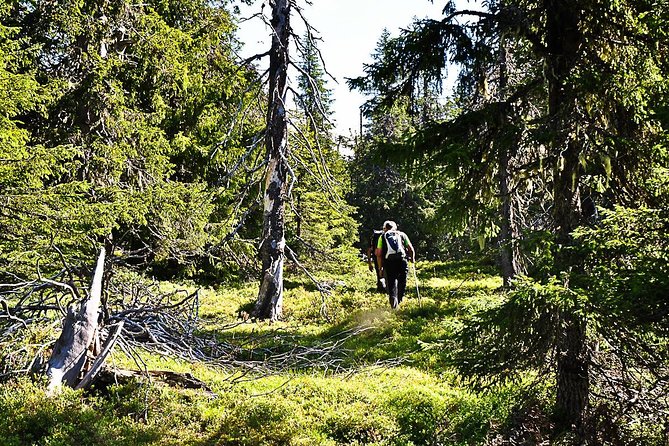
357	373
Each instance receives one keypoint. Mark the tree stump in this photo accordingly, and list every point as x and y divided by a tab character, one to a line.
79	333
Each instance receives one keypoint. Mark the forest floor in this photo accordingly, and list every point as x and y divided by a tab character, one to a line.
341	369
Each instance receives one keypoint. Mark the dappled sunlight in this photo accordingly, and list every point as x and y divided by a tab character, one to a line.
373	317
450	284
515	155
360	371
352	323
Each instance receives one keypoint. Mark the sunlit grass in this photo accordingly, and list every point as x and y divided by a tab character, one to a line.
477	283
390	383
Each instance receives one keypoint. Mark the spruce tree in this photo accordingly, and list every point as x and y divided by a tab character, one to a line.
557	115
323	225
144	114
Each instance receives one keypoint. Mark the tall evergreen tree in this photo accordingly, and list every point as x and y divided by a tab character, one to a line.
145	98
562	119
323	222
386	187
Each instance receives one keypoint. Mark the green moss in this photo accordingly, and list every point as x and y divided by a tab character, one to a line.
391	384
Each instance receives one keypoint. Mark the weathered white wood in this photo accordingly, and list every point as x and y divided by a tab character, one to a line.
270	296
100	359
69	352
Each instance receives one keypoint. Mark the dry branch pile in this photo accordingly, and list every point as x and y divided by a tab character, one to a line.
135	315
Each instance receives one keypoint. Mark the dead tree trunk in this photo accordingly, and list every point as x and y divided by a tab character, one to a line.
270	297
79	331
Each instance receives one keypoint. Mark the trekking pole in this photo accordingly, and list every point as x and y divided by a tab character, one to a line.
415	280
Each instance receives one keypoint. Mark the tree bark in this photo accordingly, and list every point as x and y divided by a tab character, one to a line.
573	379
563	40
105	351
508	242
270	297
508	234
79	330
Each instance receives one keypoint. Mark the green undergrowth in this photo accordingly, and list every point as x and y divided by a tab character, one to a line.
399	406
383	378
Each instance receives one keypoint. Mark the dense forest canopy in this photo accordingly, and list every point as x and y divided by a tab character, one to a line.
137	130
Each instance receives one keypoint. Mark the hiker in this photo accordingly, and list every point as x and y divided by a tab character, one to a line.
372	259
392	251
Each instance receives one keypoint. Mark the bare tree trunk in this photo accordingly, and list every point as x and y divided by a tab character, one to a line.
563	39
508	235
79	330
573	377
573	380
507	240
270	297
504	160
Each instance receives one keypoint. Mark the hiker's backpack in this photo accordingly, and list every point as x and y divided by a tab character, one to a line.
394	245
374	239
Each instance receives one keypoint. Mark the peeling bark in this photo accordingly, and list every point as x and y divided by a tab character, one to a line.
270	295
96	367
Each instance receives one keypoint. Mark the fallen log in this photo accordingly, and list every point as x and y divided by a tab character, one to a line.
110	377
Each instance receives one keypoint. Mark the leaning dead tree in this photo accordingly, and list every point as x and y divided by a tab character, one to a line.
130	315
34	309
